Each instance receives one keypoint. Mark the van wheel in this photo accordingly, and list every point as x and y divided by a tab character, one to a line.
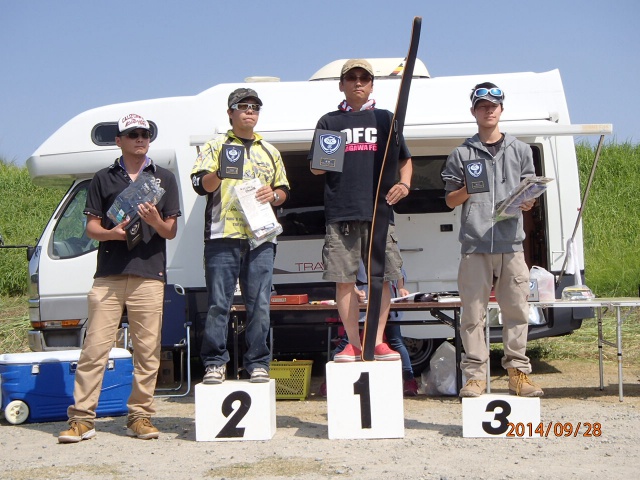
16	412
420	351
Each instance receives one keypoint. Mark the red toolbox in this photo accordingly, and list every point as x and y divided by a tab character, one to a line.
290	299
38	386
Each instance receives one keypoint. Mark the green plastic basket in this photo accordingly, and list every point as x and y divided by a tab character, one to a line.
293	379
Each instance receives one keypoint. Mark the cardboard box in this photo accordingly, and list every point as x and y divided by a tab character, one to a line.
290	299
43	382
166	374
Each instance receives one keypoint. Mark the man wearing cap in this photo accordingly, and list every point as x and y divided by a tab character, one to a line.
492	252
228	253
134	278
349	199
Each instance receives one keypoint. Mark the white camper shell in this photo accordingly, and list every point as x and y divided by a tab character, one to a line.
438	119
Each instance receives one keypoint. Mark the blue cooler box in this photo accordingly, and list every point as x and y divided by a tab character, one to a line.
38	386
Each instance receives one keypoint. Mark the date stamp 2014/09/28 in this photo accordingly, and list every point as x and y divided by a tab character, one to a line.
554	429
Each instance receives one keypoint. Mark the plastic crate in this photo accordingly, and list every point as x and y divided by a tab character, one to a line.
293	379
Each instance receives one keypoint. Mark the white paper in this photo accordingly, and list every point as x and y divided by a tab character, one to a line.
411	296
260	216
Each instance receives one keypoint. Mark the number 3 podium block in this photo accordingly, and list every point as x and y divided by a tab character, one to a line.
364	400
500	416
235	410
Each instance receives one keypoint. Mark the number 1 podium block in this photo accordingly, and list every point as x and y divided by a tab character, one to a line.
364	400
235	410
500	416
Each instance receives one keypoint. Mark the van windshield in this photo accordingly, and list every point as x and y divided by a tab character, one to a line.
69	236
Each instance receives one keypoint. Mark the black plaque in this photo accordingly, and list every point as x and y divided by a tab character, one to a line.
475	175
133	229
231	161
328	150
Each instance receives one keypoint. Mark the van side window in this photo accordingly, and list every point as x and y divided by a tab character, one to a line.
427	187
69	237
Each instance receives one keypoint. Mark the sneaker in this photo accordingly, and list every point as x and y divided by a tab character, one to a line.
473	388
520	384
383	353
142	428
323	390
410	388
259	375
214	375
349	354
77	432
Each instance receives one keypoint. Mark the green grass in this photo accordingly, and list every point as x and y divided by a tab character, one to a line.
14	324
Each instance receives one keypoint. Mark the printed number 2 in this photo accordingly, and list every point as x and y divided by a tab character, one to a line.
231	429
361	387
505	410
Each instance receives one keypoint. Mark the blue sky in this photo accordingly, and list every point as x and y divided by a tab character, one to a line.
62	58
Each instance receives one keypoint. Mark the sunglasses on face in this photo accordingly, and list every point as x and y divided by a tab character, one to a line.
243	107
483	92
352	77
134	135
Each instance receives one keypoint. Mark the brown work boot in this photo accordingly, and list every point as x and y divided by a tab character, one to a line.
520	384
142	428
473	388
77	432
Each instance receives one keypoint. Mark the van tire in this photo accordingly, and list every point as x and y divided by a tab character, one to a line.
420	352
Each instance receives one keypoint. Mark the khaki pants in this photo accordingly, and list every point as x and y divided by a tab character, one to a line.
509	275
144	301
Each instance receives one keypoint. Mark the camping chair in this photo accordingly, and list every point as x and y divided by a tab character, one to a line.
175	337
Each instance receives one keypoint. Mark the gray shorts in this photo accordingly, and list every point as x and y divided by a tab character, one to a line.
343	249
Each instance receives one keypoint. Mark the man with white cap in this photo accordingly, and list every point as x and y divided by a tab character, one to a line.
349	198
492	252
127	275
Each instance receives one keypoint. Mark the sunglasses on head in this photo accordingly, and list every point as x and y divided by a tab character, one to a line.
243	107
352	77
133	135
483	92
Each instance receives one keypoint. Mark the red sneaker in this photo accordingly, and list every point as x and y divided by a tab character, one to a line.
349	354
410	388
382	352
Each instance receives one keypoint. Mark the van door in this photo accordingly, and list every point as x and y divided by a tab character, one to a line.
64	265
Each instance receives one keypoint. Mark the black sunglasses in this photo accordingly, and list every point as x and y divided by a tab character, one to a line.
133	135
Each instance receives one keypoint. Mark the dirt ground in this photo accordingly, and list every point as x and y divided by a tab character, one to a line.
433	446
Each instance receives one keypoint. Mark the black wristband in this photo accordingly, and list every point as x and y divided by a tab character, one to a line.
405	185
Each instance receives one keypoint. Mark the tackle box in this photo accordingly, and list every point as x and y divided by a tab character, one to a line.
38	386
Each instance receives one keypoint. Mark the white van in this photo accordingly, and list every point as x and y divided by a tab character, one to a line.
438	119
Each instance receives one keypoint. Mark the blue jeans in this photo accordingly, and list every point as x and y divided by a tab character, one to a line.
226	261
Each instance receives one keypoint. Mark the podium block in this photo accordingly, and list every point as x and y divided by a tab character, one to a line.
235	410
500	416
364	400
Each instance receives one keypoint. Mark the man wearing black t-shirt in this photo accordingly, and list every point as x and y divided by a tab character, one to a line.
349	199
134	278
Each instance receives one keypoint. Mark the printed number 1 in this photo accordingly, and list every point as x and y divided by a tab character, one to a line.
361	387
502	417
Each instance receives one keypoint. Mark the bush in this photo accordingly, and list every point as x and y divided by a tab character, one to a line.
24	212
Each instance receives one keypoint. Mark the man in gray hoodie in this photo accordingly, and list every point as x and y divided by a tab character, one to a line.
492	252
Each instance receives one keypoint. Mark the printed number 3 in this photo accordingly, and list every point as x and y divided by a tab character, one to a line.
505	410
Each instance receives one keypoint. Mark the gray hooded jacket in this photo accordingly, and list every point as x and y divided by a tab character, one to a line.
478	231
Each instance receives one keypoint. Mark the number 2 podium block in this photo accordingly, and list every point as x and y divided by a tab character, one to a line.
364	400
235	410
500	416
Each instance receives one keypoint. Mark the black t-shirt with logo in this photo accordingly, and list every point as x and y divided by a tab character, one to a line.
148	258
350	195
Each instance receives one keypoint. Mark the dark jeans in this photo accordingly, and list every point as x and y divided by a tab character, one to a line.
226	262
